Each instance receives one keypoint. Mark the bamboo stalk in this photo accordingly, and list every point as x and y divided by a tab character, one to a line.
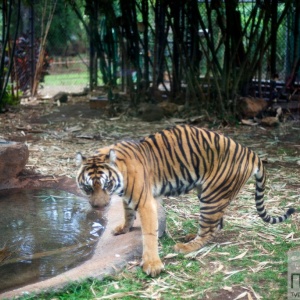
39	65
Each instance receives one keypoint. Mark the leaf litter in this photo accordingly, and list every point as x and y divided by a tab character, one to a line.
54	139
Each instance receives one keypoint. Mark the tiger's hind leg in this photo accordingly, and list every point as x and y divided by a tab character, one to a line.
210	222
209	226
221	224
189	237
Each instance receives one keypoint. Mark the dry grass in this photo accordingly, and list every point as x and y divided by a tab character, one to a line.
247	260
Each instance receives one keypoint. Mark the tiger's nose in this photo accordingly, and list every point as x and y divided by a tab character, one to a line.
99	206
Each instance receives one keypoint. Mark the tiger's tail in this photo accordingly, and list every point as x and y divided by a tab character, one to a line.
259	202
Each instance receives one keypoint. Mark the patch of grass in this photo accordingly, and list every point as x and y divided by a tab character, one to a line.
262	269
81	78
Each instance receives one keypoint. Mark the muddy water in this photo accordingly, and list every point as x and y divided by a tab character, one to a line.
44	233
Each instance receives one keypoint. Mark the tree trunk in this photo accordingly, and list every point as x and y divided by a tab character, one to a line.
274	28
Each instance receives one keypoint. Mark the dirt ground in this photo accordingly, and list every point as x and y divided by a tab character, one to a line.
54	133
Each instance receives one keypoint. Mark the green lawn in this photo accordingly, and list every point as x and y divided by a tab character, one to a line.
80	78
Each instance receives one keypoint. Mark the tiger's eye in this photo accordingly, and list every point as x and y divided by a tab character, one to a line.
105	185
87	188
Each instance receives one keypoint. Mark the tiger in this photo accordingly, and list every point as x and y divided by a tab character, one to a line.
172	162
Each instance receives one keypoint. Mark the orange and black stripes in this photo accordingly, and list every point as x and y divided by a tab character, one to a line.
176	160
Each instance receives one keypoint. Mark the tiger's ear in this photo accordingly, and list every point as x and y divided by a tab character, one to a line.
79	159
112	156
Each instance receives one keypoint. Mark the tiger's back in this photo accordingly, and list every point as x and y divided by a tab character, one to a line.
172	162
186	157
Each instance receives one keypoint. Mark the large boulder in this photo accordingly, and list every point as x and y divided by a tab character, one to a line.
251	107
13	158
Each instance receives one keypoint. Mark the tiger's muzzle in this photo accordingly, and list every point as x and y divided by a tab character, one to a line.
99	198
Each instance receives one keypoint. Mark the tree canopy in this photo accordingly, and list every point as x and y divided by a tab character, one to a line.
210	51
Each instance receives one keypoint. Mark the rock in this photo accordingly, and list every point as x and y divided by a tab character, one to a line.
99	102
168	108
249	122
153	115
155	95
62	97
270	121
251	107
155	112
150	112
13	158
181	108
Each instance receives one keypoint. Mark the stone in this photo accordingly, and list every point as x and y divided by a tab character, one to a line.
169	108
150	112
61	96
251	107
270	121
13	158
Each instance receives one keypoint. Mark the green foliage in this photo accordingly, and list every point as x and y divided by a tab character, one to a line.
10	98
66	31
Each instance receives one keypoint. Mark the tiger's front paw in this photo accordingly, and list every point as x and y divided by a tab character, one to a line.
153	268
121	229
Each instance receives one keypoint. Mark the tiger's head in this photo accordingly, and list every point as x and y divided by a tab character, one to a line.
98	177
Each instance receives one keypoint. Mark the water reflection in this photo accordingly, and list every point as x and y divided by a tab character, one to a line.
44	233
